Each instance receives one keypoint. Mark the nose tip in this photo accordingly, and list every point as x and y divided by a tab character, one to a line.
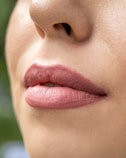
55	17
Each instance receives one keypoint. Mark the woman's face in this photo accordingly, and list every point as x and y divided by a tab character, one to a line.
67	66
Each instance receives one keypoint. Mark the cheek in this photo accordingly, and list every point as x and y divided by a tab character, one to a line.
113	32
20	34
115	38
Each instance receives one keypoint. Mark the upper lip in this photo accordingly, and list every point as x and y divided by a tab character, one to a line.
61	75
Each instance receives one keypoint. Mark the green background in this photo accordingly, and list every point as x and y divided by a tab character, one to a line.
8	126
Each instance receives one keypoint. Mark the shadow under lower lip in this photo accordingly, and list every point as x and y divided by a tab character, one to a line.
58	97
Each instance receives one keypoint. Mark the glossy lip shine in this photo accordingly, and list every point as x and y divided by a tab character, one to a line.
58	87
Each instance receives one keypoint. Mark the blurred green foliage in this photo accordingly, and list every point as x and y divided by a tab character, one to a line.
8	126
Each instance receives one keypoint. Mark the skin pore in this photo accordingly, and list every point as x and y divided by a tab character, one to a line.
90	38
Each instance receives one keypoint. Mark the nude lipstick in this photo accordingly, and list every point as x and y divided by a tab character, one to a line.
58	87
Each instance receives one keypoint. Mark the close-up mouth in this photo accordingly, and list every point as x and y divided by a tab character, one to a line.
58	87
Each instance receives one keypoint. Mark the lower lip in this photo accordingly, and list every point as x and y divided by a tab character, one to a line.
58	97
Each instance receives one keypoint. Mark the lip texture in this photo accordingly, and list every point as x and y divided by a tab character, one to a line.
58	87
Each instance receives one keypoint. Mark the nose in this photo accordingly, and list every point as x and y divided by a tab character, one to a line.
56	18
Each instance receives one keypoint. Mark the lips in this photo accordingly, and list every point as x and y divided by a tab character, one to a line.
58	87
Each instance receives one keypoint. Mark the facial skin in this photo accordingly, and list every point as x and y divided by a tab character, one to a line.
96	48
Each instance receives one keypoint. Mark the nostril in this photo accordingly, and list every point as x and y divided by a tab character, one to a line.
64	26
67	28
